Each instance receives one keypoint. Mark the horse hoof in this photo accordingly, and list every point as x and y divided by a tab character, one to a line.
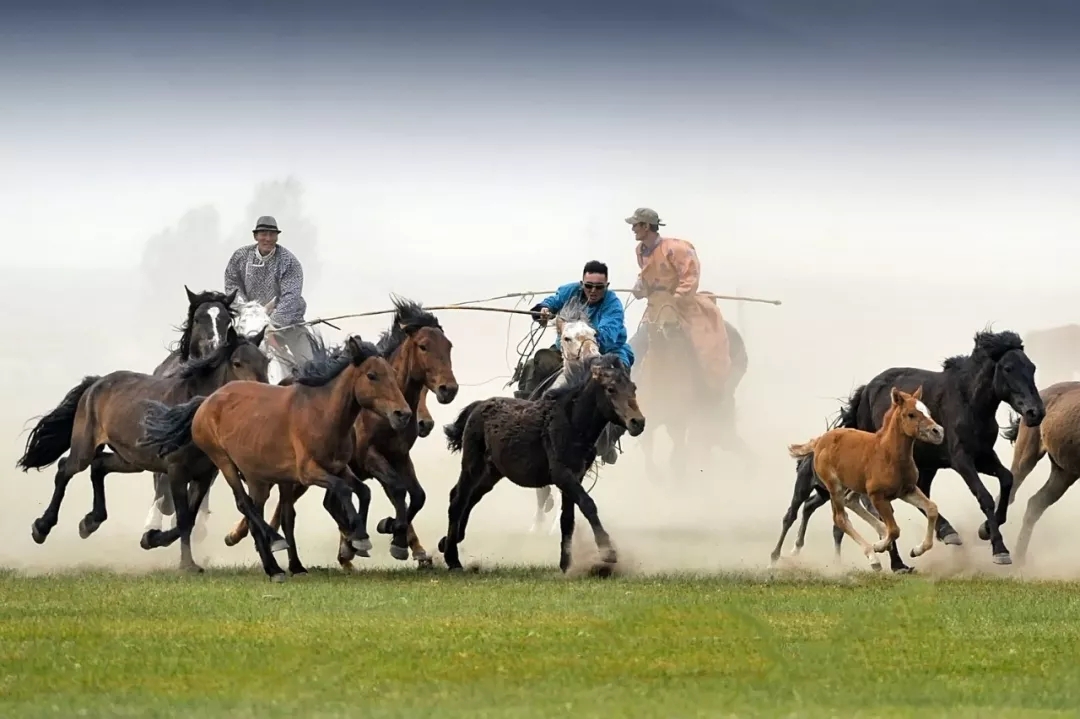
363	553
298	572
38	535
603	571
191	568
984	532
230	540
442	545
279	545
903	570
952	539
149	540
425	563
455	567
87	527
399	553
277	578
361	545
384	526
1002	558
876	567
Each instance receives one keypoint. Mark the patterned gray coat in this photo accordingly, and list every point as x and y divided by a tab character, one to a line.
278	275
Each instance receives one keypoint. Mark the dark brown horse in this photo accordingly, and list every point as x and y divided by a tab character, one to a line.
419	352
1058	436
106	412
534	443
302	433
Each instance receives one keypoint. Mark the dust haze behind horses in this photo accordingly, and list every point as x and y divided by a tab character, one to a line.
831	333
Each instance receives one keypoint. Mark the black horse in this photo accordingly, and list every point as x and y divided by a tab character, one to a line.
963	398
209	316
534	443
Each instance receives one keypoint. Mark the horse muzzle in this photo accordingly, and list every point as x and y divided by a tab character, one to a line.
399	419
446	393
635	426
1033	415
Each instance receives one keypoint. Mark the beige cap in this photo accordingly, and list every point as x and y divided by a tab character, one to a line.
644	214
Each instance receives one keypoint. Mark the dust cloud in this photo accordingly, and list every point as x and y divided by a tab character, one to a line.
830	333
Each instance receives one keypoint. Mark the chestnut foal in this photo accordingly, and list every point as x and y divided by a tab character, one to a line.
879	465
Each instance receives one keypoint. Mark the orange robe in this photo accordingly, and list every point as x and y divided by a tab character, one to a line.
672	268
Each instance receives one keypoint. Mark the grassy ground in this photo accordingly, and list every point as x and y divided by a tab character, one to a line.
525	643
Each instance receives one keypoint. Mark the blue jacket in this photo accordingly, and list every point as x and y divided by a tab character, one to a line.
606	317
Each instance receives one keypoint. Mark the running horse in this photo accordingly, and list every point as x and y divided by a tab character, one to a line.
419	352
673	389
105	413
293	436
210	314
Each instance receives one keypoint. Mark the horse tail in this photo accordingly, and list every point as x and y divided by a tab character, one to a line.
1011	432
51	437
849	413
455	432
168	428
798	451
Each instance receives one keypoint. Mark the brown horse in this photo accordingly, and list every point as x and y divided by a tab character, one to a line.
419	353
534	443
105	412
424	421
672	387
880	466
1058	436
302	433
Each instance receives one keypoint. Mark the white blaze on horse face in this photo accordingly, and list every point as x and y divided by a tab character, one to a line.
577	336
214	312
922	408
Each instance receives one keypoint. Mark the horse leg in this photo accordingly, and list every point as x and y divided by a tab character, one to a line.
818	499
267	541
991	464
885	510
1027	453
544	504
965	467
161	505
394	485
462	502
417	499
458	496
1055	487
804	486
572	487
840	519
346	551
923	503
566	523
286	508
79	458
945	532
102	465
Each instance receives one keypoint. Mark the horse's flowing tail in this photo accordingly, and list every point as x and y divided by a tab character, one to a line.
51	437
798	451
1011	432
456	431
849	413
168	428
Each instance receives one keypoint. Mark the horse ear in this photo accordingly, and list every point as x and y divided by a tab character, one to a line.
559	324
257	338
230	336
918	393
230	298
190	295
409	330
355	350
269	306
595	371
896	398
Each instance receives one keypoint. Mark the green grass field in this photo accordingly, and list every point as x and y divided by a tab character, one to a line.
530	643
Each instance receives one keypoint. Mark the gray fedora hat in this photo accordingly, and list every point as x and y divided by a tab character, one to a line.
266	222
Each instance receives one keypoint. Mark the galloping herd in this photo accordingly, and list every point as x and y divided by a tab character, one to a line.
354	412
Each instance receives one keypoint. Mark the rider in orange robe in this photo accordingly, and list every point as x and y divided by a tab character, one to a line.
670	268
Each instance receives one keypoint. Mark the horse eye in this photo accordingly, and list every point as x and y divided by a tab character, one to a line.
423	348
373	377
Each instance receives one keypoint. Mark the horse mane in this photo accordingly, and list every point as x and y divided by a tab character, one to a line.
325	365
183	345
408	317
206	365
579	373
988	346
574	311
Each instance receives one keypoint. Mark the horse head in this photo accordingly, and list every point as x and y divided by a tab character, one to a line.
417	345
210	314
577	339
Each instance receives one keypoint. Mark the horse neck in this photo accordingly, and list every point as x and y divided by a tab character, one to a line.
404	366
335	401
204	384
586	419
892	439
978	385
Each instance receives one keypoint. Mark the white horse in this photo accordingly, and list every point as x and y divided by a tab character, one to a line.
252	317
577	339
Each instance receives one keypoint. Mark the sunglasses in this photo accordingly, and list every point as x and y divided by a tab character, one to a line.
595	285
